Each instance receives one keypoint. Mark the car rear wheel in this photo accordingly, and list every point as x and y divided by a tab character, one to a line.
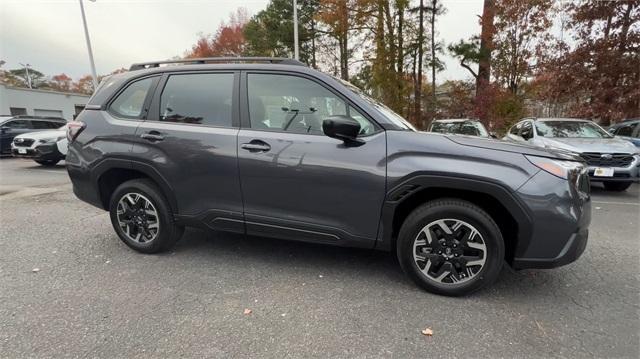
616	186
450	247
47	163
142	217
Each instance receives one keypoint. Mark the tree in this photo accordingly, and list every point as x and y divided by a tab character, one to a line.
457	100
521	33
61	82
477	51
84	85
483	55
228	39
418	63
435	9
37	78
270	32
598	76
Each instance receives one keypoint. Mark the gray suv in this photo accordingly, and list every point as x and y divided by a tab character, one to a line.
269	147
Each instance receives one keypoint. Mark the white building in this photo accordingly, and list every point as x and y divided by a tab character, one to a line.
25	101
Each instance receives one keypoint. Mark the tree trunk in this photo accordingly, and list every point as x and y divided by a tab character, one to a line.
486	45
400	54
343	42
313	43
434	10
418	89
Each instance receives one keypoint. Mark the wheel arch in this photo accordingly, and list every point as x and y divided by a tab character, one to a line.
498	201
110	173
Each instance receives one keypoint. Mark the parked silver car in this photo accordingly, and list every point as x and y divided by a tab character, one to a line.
460	126
612	161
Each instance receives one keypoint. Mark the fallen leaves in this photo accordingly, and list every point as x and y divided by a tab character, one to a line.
427	331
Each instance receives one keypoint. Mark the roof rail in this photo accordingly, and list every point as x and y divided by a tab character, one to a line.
204	60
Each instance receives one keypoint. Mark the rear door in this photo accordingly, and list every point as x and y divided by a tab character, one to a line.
190	138
298	183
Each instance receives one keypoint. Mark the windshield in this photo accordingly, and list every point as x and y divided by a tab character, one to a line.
387	112
471	128
570	129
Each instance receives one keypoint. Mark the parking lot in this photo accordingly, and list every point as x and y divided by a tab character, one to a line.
70	288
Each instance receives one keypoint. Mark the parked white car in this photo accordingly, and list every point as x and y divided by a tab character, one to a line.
45	147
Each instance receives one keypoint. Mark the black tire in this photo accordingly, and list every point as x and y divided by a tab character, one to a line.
47	163
617	186
460	210
168	232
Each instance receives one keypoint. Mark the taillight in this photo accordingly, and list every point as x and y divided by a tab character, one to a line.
73	129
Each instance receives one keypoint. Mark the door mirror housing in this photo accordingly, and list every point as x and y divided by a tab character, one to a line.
4	129
343	128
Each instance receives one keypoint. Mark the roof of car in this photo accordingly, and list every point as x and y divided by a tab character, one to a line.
27	117
453	120
543	119
626	122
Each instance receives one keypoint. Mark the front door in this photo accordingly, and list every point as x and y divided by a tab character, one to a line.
190	138
11	129
298	183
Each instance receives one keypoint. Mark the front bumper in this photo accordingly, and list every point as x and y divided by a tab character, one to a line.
630	173
560	213
572	250
42	152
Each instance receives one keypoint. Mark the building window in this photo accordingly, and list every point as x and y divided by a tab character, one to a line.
18	111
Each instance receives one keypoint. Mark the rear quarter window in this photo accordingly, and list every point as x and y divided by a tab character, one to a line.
130	102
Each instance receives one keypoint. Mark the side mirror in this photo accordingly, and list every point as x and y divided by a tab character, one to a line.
4	129
493	135
343	128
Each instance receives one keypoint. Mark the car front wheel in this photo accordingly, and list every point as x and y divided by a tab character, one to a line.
47	163
142	218
450	247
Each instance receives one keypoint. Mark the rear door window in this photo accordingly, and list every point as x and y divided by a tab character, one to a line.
130	102
626	131
44	125
202	99
17	124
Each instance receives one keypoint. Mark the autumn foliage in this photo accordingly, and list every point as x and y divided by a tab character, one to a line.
228	40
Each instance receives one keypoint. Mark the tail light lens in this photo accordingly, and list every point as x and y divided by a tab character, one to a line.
73	129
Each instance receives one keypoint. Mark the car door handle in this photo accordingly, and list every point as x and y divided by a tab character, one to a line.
256	146
152	136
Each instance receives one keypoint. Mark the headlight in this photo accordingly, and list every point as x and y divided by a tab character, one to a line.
559	168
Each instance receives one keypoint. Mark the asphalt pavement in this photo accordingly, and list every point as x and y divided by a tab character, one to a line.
70	288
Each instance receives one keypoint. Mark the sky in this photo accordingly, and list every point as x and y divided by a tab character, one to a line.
48	34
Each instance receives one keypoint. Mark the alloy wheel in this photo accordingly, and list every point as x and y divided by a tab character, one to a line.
449	251
138	218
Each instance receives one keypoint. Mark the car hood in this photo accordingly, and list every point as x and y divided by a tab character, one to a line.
40	135
580	145
508	146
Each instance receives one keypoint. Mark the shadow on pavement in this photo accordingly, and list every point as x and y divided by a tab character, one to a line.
376	266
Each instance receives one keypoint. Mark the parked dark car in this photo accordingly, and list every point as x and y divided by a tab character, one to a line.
11	126
461	126
269	147
628	130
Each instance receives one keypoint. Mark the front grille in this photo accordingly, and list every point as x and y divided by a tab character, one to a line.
607	159
23	142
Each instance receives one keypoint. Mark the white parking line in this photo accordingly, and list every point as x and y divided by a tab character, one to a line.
623	203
